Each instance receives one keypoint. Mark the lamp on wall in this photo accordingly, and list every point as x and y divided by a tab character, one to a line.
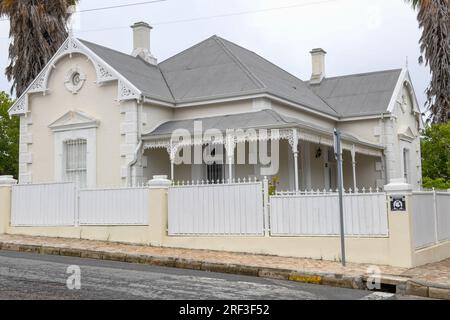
319	151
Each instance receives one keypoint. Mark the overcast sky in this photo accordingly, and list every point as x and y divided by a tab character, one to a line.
359	36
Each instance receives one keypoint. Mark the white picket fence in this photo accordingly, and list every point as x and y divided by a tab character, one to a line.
122	206
317	214
431	217
43	205
216	209
61	204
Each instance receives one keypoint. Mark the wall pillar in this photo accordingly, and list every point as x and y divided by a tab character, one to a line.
5	202
158	221
401	247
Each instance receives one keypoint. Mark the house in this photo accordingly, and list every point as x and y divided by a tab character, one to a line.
104	118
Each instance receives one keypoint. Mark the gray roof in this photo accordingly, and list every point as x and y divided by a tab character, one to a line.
217	68
359	94
146	77
250	120
257	119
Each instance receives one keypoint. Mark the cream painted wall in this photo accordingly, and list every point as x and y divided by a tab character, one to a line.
217	109
304	116
154	115
366	130
97	101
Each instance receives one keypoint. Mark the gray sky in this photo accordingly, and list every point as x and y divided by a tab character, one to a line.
359	36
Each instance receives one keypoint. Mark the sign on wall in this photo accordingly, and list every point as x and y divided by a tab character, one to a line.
398	203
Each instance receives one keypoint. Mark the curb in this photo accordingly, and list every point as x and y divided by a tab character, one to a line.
399	285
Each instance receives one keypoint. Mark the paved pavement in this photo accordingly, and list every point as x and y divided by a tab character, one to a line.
432	280
36	276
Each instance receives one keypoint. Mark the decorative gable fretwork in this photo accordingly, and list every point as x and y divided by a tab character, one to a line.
126	92
104	73
20	106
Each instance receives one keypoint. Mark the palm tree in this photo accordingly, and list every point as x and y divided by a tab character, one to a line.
37	30
434	20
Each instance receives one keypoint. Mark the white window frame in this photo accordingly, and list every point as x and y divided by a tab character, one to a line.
90	135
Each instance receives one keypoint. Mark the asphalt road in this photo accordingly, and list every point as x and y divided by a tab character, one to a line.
32	276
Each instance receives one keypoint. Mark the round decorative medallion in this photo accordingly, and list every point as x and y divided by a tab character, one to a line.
74	80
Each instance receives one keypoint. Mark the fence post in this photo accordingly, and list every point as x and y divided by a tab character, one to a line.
158	209
6	183
266	207
76	190
401	235
436	237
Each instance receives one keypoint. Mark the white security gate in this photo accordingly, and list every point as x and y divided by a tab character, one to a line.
43	205
317	214
124	206
431	217
216	209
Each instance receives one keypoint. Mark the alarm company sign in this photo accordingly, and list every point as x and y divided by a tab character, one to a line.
398	203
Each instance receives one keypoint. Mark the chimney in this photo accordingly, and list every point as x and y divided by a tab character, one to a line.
318	65
141	42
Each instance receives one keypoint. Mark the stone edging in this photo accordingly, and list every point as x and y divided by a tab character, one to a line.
402	285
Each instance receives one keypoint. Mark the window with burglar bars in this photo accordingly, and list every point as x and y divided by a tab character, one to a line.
75	156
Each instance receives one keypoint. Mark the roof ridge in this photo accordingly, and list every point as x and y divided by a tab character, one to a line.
363	74
250	74
273	64
305	83
104	47
189	48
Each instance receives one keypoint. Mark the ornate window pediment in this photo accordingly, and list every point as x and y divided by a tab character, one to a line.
74	120
406	133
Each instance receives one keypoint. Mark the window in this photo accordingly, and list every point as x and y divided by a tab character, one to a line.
75	161
406	164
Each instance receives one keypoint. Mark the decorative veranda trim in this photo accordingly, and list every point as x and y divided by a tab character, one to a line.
291	135
104	72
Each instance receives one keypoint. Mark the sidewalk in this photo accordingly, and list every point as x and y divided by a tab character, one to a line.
432	280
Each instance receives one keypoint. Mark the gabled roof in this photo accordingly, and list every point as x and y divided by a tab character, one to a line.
146	77
219	69
359	94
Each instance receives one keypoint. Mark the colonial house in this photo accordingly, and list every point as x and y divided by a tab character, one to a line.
105	118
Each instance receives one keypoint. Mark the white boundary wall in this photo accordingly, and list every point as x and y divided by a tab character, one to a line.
123	206
431	217
44	205
61	204
317	214
216	209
